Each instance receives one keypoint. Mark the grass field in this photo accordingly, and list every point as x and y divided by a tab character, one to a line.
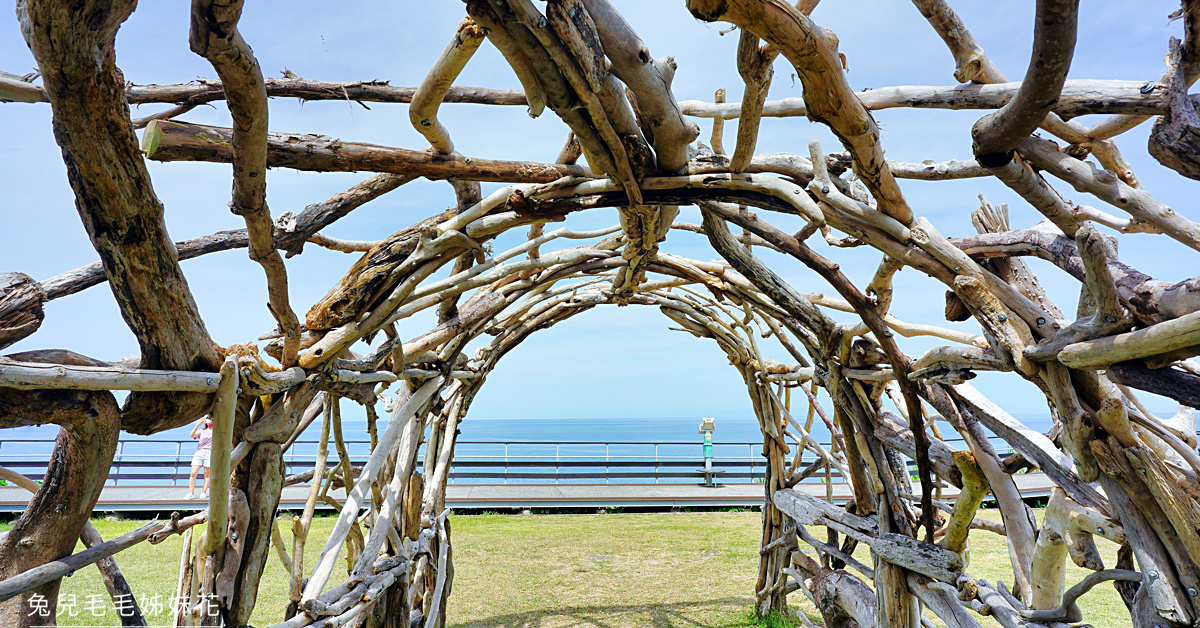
595	570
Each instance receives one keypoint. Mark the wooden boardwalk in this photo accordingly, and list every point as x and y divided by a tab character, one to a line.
165	499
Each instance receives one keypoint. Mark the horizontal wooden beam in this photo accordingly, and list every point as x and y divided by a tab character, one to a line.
1164	337
210	90
1078	97
1168	382
924	558
44	376
37	376
177	141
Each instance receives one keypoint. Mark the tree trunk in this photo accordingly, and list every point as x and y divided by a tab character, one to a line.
52	522
74	47
265	483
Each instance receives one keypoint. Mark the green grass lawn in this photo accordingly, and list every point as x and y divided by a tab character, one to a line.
601	570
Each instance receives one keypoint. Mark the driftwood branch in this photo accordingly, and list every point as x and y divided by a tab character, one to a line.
214	35
119	209
57	569
1053	47
827	94
1119	472
175	141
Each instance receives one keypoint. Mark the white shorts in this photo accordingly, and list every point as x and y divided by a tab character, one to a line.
202	457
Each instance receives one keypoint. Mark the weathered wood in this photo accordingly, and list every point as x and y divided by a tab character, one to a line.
749	266
755	66
974	487
944	605
1174	142
971	64
650	80
428	97
224	407
1169	382
230	547
845	601
584	60
177	526
214	35
918	556
54	570
1077	97
184	587
1033	445
291	232
1069	610
1084	178
899	437
266	482
1149	300
280	420
177	141
110	573
1067	529
34	376
208	90
594	117
1053	47
404	414
21	300
1165	337
827	94
58	512
386	518
119	209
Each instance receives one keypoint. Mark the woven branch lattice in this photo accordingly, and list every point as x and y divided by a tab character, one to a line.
1120	472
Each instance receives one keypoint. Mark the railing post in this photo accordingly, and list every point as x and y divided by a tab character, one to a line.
557	446
117	461
506	463
607	480
657	467
752	461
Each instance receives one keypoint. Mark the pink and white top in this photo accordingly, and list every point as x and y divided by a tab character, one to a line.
205	436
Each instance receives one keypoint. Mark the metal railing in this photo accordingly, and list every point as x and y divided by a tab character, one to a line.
519	460
168	461
148	461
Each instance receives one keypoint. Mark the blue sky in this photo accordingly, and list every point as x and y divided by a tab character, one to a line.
610	362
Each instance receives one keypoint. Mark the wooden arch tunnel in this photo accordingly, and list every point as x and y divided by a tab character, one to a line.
1121	473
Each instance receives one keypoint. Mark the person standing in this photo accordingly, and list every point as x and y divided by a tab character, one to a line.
202	457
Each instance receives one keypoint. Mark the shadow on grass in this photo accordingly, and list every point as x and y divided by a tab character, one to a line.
657	615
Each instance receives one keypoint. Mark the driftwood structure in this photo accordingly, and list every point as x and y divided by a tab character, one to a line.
1122	473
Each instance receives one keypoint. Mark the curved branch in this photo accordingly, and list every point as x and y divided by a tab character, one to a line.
1069	611
1053	46
428	97
827	94
214	35
650	81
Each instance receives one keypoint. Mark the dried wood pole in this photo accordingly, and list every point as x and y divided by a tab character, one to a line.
1122	475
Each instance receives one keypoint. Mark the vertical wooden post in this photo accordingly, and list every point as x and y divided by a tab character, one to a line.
224	406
